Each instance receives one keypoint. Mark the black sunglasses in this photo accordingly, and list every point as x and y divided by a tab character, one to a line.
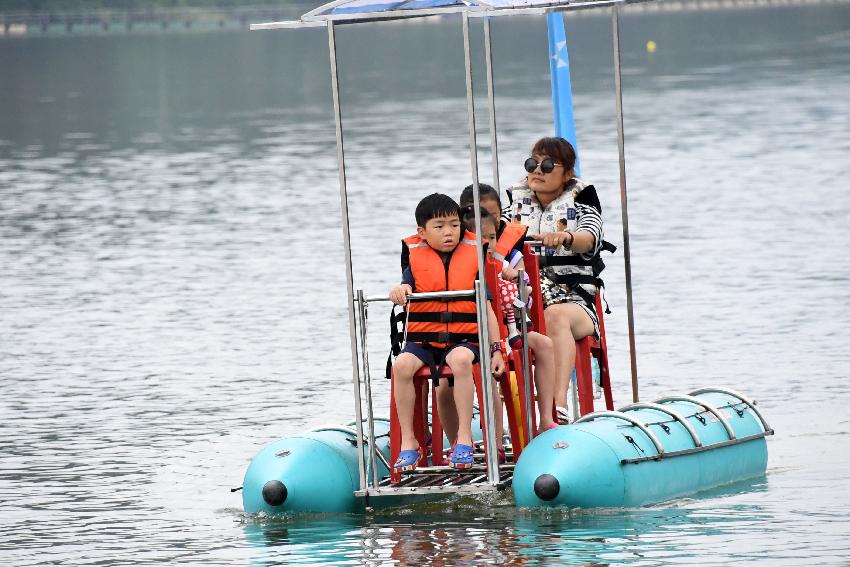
547	165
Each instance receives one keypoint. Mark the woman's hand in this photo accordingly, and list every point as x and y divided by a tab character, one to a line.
399	294
554	239
497	364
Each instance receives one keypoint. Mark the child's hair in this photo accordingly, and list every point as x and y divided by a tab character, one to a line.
469	220
558	149
436	205
484	192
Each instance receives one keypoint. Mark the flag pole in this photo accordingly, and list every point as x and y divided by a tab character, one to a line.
562	91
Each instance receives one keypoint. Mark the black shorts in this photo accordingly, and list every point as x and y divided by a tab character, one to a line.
432	356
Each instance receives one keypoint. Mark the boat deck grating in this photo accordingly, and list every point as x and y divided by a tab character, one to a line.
439	480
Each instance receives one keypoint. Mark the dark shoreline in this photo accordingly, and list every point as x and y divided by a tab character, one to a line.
207	18
178	19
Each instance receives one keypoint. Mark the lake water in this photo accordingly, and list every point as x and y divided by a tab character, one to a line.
172	288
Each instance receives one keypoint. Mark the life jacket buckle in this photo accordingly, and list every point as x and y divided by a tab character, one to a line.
443	337
446	317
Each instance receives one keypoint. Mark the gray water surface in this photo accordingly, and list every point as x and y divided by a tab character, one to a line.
172	286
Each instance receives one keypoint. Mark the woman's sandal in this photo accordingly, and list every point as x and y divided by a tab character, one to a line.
563	415
407	460
461	457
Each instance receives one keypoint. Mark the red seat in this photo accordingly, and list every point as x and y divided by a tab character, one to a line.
596	348
433	447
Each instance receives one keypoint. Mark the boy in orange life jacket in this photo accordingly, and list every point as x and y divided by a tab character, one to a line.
441	258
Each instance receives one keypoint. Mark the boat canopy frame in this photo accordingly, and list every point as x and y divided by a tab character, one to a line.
323	16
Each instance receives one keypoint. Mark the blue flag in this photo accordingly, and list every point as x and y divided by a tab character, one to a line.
559	72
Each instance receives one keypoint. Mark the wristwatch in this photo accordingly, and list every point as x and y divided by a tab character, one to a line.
495	347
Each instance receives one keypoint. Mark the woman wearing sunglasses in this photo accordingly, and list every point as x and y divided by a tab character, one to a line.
564	213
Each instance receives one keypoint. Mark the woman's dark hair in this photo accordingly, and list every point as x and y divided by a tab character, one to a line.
469	220
484	192
558	149
436	205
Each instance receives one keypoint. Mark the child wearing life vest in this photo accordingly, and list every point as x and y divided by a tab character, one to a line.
541	345
510	235
442	257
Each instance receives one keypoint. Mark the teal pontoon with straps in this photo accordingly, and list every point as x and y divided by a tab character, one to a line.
643	453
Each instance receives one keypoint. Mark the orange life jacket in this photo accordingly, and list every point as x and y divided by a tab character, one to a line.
511	234
444	322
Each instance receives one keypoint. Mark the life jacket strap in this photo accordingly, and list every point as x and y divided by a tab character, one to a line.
575	260
553	261
608	247
436	366
575	281
442	317
443	337
396	337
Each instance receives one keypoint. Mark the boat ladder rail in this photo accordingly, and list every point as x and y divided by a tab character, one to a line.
488	476
659	447
659	405
735	394
674	414
705	405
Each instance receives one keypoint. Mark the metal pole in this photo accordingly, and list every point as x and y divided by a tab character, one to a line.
346	243
491	103
480	284
624	201
572	390
492	463
367	380
526	359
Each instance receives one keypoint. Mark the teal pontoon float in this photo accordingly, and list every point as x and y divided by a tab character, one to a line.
646	452
642	454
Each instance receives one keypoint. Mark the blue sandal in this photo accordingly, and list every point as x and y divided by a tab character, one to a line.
461	457
407	460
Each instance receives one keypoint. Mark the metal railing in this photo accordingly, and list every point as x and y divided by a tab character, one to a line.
364	380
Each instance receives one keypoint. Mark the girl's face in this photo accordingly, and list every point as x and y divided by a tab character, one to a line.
491	206
548	184
488	235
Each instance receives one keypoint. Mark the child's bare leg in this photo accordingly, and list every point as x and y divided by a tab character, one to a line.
404	368
460	361
447	410
544	376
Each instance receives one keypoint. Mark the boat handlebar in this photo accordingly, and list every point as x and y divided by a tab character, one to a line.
427	295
